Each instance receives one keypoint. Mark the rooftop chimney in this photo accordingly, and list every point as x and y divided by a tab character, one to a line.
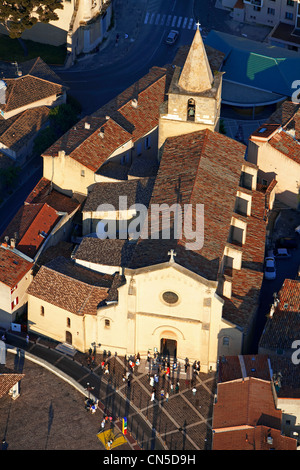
134	103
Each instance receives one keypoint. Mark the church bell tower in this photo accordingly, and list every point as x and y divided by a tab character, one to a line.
194	96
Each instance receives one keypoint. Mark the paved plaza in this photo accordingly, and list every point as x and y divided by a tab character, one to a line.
50	413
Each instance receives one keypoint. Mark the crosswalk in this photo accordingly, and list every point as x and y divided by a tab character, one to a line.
163	19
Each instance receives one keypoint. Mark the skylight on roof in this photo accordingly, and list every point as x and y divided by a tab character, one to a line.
263	129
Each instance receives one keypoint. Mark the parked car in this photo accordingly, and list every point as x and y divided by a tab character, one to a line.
287	242
282	253
172	36
270	268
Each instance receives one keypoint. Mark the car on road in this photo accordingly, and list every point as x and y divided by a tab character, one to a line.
280	253
172	36
287	242
270	268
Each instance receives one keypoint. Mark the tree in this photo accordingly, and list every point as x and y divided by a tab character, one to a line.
18	15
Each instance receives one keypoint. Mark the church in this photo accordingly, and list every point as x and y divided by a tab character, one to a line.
160	147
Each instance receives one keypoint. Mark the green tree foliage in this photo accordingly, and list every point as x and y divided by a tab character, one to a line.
61	119
18	15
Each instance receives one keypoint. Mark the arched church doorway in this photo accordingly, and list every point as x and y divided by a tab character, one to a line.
168	348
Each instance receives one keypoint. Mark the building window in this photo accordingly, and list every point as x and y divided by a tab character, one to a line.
271	11
256	8
170	297
14	303
107	323
147	142
191	110
68	323
82	173
225	341
42	311
290	3
139	148
288	16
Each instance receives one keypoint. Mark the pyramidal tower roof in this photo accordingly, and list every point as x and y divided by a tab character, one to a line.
196	75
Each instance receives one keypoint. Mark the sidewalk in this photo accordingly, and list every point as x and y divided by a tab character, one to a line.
128	17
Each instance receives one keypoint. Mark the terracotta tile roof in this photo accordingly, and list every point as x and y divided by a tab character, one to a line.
286	144
43	193
8	380
107	252
17	131
44	222
12	267
28	223
245	402
193	169
246	282
119	121
290	377
253	438
86	146
72	288
136	191
284	326
236	367
37	82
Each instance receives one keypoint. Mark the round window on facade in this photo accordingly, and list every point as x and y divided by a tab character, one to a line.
170	297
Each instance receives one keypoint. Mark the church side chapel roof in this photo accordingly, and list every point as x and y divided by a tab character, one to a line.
202	167
96	137
74	288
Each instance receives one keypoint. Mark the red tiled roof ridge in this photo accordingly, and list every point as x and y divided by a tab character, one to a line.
142	92
92	135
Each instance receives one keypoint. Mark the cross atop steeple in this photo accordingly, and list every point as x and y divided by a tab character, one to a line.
198	24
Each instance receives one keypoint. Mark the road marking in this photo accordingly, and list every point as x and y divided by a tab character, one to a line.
190	23
152	18
158	19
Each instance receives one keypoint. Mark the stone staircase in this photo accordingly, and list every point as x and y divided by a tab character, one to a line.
67	349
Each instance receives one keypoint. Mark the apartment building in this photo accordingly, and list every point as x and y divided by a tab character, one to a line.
283	16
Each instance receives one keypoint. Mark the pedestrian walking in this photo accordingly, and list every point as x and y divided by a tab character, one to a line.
167	397
153	395
162	393
194	390
27	339
172	387
103	423
151	381
177	387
